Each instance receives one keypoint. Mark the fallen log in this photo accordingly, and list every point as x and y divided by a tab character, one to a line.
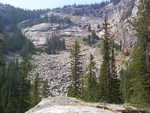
132	111
122	111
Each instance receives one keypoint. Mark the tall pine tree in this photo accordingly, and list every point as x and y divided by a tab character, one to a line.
35	97
24	87
115	81
45	89
76	88
108	81
105	75
90	90
139	68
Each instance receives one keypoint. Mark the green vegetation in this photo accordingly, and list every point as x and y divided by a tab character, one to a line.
105	88
35	96
55	44
76	89
17	43
45	89
136	78
91	91
14	87
133	85
92	38
11	16
108	79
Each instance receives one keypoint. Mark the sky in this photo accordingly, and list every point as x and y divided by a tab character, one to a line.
43	4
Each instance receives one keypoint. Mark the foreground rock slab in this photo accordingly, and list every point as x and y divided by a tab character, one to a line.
72	105
71	109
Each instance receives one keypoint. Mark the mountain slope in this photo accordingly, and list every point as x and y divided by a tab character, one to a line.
118	15
56	67
70	26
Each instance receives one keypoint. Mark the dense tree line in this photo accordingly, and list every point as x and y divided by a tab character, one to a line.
14	87
17	92
76	89
83	10
10	16
54	44
53	19
90	91
115	1
93	38
16	43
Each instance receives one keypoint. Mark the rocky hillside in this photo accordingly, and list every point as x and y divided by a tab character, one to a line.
71	26
119	16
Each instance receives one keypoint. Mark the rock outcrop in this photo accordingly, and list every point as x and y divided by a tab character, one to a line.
72	105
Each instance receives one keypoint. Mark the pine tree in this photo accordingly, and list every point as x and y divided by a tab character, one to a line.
89	28
45	89
115	82
98	26
24	87
2	73
1	51
138	71
76	71
35	98
104	79
124	86
108	81
91	93
55	44
63	44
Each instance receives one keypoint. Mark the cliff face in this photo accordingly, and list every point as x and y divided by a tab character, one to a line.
56	68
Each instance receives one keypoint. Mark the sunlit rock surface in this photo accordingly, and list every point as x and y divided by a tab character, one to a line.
71	105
